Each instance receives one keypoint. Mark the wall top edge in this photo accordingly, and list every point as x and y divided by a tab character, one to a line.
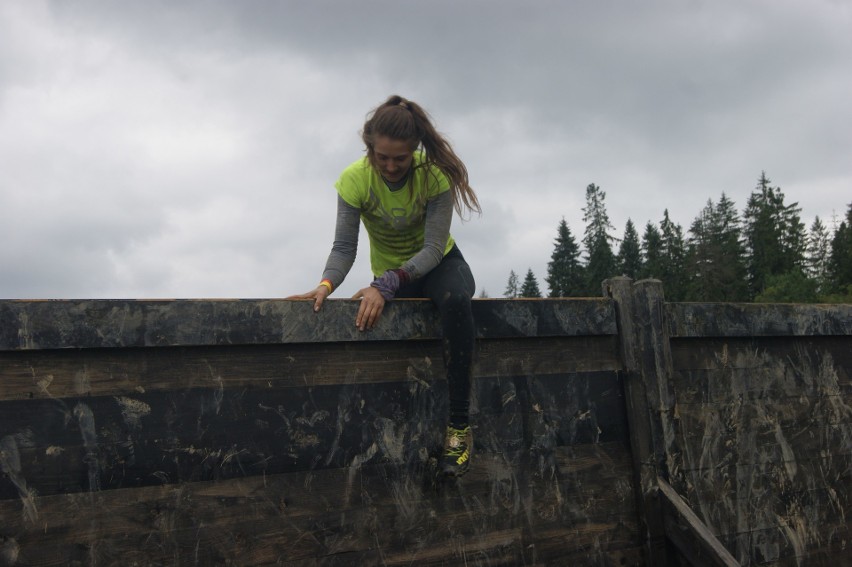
691	320
117	323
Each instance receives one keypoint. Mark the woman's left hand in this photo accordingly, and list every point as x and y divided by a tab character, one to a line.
372	305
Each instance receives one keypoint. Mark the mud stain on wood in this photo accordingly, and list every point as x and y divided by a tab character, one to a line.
86	422
764	421
132	411
10	465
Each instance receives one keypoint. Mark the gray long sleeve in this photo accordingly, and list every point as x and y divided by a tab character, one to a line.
439	216
345	246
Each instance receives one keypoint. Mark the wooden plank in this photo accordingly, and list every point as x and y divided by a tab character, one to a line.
590	471
642	422
210	433
807	421
748	353
655	366
720	454
34	325
793	544
59	374
831	473
691	536
127	371
771	510
561	317
757	319
830	550
720	388
632	556
584	545
811	505
595	397
589	397
545	355
343	513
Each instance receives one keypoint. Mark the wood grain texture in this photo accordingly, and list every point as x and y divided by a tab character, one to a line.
258	432
766	430
571	500
33	325
65	373
108	442
757	320
689	533
643	424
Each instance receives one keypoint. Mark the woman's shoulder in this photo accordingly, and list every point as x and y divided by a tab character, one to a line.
431	175
359	166
354	181
419	157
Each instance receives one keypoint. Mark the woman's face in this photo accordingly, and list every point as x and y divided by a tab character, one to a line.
392	157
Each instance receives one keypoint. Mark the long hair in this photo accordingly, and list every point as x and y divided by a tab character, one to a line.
401	119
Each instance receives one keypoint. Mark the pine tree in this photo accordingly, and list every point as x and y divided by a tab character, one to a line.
564	271
652	250
715	264
840	263
600	263
674	256
512	286
530	286
818	255
629	257
702	255
732	270
774	235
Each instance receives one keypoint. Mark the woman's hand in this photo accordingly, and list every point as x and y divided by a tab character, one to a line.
372	304
318	294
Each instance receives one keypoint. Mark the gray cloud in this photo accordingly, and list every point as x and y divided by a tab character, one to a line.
189	149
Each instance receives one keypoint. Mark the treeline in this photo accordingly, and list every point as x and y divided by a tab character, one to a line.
764	255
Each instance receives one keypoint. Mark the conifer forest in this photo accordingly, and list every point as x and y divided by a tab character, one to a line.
762	253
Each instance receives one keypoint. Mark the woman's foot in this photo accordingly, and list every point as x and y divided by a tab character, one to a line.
457	447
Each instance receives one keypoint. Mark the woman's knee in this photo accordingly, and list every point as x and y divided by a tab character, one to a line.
455	302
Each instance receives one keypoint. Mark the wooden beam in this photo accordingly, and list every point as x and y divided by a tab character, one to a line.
654	363
640	422
757	320
34	325
689	534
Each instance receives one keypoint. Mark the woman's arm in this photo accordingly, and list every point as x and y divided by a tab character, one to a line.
439	216
345	245
342	254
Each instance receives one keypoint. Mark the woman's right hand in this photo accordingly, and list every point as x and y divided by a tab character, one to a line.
318	294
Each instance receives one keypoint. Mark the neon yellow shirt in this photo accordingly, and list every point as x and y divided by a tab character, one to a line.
395	220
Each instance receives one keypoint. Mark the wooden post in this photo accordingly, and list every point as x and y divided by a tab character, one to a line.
640	420
651	413
691	536
654	364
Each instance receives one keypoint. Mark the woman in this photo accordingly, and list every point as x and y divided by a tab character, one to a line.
404	191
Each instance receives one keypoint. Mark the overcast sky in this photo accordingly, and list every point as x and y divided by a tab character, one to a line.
189	149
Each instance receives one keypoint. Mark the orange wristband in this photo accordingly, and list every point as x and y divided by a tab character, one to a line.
327	284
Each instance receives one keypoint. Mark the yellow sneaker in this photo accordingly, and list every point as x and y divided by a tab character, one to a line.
457	447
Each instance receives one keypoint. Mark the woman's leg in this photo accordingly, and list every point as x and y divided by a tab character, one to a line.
451	287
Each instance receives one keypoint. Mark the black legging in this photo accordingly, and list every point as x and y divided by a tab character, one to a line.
450	285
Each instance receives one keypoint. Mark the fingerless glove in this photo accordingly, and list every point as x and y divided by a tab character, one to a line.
390	282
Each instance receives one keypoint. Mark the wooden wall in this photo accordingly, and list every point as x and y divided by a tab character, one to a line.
258	432
763	401
616	431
